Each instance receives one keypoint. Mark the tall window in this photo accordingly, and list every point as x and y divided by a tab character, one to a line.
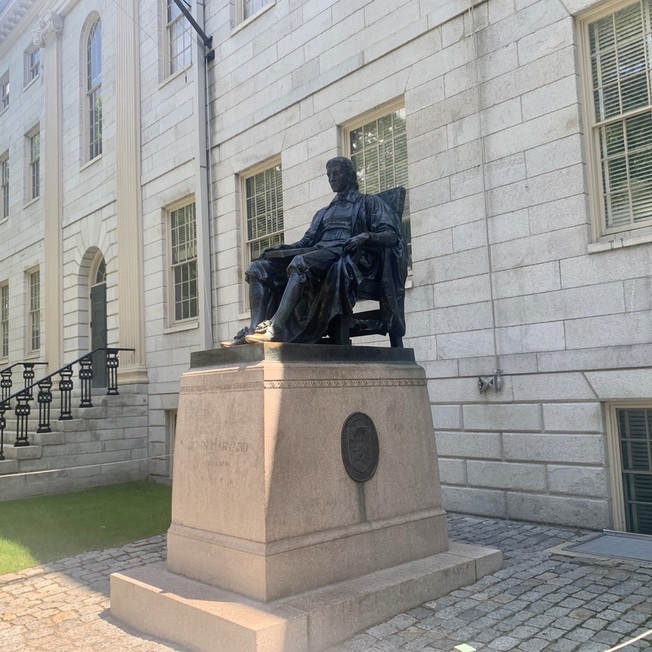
263	193
378	149
4	320
179	38
619	46
32	64
251	7
4	185
34	314
34	164
183	249
4	91
94	89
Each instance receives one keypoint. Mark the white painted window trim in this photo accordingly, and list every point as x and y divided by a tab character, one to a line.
392	106
245	257
33	168
5	188
33	314
5	92
176	325
91	92
241	22
29	75
4	320
603	239
168	71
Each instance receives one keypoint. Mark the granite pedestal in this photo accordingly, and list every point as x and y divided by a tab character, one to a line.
273	545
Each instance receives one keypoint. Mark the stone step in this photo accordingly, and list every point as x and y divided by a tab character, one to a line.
48	438
31	452
8	466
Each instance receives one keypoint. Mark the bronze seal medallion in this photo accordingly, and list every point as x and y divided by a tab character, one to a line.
360	450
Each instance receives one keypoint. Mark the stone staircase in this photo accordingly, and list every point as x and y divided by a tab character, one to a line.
103	444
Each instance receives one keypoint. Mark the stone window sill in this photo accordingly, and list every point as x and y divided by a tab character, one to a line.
181	327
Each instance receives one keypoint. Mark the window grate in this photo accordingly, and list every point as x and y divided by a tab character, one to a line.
635	433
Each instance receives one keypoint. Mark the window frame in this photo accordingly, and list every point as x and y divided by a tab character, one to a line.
4	320
4	92
601	232
93	91
33	167
172	65
33	335
277	236
615	470
4	186
386	109
241	10
188	263
33	64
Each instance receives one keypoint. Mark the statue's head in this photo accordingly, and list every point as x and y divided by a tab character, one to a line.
347	172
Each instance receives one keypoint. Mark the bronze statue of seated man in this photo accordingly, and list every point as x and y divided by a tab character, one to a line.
297	289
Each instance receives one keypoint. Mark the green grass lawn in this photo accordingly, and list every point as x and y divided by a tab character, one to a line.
37	530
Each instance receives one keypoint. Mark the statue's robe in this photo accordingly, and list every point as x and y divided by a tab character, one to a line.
333	277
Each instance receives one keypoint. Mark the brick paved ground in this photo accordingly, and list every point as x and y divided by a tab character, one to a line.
539	601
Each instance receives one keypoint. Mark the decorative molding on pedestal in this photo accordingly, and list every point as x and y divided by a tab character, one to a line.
50	25
306	384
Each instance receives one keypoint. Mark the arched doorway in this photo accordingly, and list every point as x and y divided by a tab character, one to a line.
98	323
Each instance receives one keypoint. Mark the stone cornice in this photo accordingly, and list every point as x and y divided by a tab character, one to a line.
48	26
12	16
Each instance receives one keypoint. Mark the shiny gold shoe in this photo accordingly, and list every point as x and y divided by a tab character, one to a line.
264	333
259	337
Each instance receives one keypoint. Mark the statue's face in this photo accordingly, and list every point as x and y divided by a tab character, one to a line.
338	178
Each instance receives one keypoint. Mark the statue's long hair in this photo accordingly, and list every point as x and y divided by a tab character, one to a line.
347	164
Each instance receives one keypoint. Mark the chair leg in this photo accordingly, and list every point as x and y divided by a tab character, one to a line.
396	341
339	329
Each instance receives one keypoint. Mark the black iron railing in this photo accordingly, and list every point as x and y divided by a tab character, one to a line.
44	394
7	377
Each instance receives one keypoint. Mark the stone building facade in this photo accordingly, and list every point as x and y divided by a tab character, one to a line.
519	127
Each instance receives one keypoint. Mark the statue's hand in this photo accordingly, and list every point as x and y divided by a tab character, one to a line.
272	248
357	241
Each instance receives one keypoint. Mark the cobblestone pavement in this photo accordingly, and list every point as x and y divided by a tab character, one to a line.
540	601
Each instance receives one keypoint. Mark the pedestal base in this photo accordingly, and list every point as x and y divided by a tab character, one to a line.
305	503
205	618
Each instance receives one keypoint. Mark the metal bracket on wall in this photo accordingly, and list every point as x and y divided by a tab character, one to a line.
495	382
207	40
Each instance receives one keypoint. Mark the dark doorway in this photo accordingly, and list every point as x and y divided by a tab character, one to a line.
98	326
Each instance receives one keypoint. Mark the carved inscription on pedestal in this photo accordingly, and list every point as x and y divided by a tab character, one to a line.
360	451
224	449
